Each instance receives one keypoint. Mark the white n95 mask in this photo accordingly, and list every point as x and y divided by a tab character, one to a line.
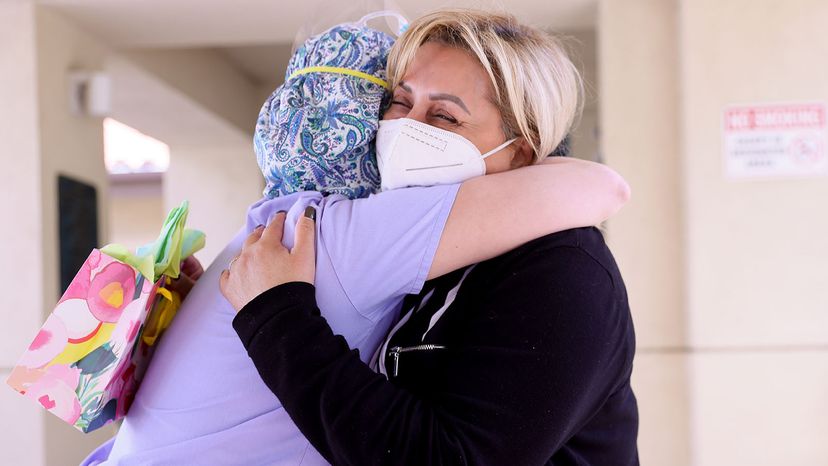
411	153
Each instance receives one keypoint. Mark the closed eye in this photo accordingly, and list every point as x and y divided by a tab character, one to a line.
447	118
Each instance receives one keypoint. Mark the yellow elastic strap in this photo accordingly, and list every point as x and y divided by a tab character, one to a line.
338	70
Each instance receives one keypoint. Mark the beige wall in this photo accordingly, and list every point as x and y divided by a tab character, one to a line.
757	267
584	51
585	140
22	301
639	98
756	249
205	76
136	209
726	278
41	139
220	181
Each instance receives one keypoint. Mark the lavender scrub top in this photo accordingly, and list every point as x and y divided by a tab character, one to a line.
202	401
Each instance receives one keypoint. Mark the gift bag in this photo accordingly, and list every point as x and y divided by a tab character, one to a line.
87	361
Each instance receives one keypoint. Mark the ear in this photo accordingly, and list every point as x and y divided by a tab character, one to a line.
523	154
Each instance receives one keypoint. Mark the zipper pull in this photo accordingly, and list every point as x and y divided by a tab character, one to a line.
395	355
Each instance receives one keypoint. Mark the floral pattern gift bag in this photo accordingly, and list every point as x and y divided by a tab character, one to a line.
87	361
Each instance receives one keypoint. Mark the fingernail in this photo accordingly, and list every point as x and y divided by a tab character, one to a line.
273	216
259	227
310	213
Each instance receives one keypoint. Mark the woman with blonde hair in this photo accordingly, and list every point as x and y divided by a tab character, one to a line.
521	359
202	400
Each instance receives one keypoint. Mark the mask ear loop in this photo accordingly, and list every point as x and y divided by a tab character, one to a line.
402	23
498	148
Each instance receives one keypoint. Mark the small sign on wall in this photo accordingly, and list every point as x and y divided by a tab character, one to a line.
775	140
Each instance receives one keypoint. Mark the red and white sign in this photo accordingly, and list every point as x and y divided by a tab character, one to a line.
776	140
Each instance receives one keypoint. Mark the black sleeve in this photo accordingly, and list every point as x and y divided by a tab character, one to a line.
542	360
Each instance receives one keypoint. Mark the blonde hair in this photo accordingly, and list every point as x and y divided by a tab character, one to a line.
537	88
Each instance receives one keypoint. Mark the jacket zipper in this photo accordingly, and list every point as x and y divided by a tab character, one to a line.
396	351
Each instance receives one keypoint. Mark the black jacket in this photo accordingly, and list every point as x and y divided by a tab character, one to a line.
529	364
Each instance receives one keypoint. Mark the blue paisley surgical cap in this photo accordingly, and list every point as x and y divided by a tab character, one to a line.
316	131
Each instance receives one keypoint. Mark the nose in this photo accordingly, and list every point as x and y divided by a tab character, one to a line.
418	113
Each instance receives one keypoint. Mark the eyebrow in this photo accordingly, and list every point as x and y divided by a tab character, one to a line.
450	97
441	96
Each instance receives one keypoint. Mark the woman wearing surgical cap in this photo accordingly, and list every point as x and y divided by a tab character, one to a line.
522	359
202	399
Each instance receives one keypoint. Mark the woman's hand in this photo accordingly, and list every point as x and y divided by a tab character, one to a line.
264	262
191	271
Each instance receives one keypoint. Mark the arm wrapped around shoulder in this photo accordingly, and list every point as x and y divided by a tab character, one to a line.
497	213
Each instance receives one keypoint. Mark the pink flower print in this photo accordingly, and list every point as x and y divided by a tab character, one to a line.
21	377
111	290
47	344
79	288
122	340
47	402
64	373
80	324
128	325
55	391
